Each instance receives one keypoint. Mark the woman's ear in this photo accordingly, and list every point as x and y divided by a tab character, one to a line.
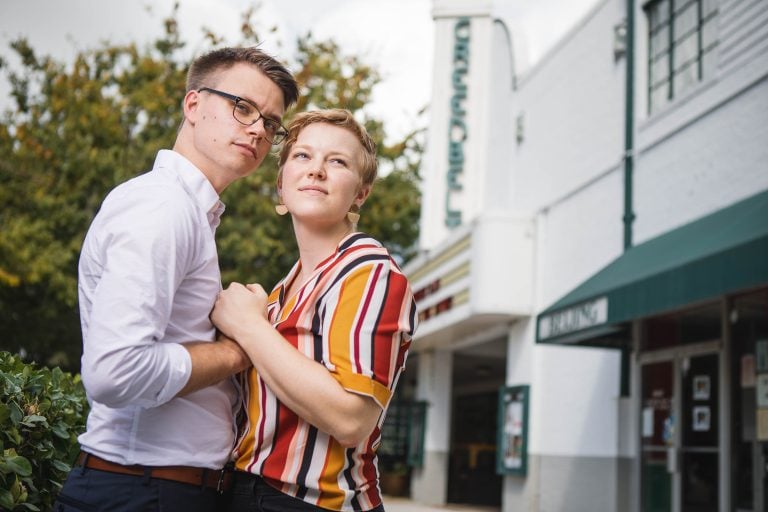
362	195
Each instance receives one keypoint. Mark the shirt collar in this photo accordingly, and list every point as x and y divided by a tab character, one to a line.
194	181
354	239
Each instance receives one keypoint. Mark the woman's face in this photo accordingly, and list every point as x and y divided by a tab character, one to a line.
321	177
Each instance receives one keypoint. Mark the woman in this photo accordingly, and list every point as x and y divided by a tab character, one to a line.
329	350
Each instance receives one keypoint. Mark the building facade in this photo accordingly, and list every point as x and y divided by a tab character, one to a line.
593	272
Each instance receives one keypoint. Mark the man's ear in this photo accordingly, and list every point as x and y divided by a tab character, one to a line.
191	106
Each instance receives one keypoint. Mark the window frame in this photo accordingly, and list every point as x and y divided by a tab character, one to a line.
669	83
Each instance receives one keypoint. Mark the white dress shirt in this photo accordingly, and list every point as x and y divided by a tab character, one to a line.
148	279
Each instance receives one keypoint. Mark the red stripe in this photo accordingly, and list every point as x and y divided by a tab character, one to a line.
388	324
277	460
361	319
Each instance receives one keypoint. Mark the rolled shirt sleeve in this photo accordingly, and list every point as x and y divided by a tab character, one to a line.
133	261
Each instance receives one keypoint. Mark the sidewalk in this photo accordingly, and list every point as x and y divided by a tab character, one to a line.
394	504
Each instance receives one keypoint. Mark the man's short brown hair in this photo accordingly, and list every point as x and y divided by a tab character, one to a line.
214	61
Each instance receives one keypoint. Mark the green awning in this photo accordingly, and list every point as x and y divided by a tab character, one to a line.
715	255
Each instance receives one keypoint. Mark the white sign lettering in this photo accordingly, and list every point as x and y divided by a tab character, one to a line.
576	318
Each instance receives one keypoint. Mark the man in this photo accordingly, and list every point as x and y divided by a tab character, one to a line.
161	424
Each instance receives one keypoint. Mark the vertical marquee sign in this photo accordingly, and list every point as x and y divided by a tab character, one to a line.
457	128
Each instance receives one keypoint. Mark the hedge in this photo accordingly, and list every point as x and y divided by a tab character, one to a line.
42	411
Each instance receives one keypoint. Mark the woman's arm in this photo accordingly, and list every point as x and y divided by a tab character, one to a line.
303	385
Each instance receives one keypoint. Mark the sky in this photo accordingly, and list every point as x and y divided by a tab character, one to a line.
394	36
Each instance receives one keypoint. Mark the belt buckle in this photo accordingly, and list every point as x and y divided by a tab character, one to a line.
229	467
220	483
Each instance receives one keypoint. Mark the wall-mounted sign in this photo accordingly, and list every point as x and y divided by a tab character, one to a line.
512	442
457	127
576	318
761	349
762	425
701	418
701	387
762	390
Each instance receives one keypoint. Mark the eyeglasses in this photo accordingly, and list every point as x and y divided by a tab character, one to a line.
248	114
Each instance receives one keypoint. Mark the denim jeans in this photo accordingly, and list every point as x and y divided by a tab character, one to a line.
91	490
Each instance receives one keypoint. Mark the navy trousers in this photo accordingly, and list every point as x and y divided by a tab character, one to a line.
250	493
87	490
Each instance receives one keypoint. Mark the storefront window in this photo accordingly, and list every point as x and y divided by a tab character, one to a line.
749	370
693	326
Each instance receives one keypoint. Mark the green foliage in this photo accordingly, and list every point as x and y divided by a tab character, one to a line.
79	129
42	412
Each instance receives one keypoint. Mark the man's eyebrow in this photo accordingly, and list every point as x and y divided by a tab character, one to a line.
266	114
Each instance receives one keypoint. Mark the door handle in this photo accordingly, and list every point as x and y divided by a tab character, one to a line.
672	465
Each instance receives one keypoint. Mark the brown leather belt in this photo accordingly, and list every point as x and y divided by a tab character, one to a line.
217	479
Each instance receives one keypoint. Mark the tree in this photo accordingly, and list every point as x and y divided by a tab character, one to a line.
78	130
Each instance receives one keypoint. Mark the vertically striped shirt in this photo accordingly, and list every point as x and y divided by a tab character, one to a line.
355	315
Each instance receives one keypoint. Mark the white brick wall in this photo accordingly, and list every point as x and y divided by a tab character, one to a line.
718	160
572	106
567	173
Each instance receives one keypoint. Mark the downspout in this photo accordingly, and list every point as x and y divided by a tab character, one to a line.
629	150
629	121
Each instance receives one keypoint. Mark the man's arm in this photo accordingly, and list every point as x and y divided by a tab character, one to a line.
137	264
213	362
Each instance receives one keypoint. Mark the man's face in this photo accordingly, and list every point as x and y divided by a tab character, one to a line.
222	147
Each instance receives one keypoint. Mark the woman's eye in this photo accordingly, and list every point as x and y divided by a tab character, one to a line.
339	161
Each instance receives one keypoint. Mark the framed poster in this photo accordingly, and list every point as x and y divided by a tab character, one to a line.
512	431
702	418
417	427
761	391
701	387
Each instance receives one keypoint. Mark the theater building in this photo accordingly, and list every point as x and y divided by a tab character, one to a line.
592	280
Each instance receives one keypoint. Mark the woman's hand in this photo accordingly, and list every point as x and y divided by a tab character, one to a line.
238	307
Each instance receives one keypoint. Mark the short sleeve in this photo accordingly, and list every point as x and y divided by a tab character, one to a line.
369	319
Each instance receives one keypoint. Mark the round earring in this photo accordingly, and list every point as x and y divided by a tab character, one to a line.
281	209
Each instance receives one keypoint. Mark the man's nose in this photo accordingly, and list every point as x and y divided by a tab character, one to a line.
257	129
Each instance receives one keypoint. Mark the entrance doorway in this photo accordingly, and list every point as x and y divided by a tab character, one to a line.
478	373
680	429
749	365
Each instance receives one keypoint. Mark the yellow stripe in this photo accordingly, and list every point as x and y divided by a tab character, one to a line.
461	297
340	331
441	258
247	446
363	385
331	496
454	275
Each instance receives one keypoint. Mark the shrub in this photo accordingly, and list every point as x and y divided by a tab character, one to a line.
42	411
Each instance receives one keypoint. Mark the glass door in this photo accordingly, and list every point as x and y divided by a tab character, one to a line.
657	418
699	440
680	433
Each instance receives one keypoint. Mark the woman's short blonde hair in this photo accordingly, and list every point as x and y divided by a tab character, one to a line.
336	117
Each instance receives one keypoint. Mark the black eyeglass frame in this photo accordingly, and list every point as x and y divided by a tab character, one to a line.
280	133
